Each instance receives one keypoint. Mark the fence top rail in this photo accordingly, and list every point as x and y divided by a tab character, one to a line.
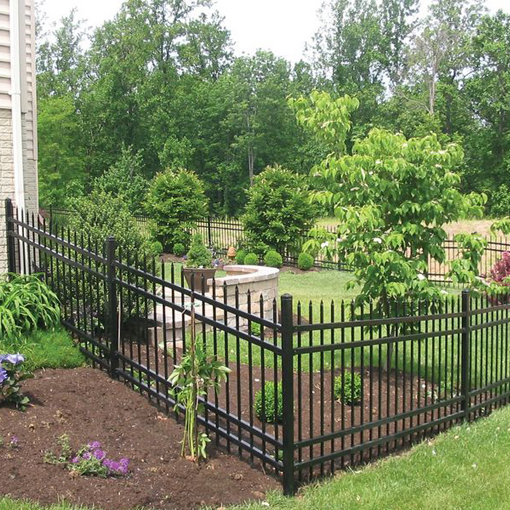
56	239
198	296
375	322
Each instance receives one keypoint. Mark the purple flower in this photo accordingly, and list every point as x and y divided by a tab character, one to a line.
99	454
15	359
3	375
14	441
86	456
75	460
94	445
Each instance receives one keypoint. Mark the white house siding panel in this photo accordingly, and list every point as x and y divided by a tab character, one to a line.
29	115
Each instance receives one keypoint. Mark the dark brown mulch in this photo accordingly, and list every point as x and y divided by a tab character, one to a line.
88	406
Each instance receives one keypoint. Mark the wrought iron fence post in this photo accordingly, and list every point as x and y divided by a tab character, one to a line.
111	307
466	354
11	249
209	233
288	394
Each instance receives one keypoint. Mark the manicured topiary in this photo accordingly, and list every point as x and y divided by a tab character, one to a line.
348	388
179	249
305	261
273	259
251	259
198	255
265	407
156	248
241	254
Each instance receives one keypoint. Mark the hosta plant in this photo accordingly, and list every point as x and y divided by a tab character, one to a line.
11	377
26	304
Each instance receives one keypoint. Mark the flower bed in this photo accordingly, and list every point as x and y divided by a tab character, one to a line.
87	406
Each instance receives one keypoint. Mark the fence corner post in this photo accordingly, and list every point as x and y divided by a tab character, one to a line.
288	393
466	354
111	306
11	250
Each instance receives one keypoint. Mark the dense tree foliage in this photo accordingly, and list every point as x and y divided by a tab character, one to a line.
392	196
161	78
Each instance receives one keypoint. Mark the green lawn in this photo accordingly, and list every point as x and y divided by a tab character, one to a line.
466	468
46	349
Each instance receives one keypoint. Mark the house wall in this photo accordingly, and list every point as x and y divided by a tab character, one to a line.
29	115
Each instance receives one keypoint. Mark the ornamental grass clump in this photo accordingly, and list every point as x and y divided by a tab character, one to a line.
11	377
90	460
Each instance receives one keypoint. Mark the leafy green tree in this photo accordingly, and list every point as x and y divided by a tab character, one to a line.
487	92
278	212
392	196
125	180
175	201
61	156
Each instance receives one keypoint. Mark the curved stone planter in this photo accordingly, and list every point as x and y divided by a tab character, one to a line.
254	280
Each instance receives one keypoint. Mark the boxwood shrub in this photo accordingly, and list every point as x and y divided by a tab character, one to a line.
305	261
349	390
273	259
251	259
265	407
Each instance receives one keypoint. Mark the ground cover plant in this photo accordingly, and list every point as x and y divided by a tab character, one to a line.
89	460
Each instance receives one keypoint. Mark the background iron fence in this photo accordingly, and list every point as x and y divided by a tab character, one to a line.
416	369
222	233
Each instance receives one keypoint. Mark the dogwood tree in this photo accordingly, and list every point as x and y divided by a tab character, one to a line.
392	197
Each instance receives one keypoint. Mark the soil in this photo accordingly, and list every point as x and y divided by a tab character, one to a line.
88	406
317	412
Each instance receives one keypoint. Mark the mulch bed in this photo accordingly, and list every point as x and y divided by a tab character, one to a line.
88	406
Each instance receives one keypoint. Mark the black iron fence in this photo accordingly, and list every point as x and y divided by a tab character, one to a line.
352	385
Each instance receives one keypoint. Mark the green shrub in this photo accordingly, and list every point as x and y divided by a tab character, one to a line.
350	391
98	216
251	259
305	261
264	406
273	259
179	249
255	329
175	202
240	256
278	212
156	248
26	304
198	255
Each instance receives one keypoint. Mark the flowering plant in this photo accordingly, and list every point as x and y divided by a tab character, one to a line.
90	460
11	375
